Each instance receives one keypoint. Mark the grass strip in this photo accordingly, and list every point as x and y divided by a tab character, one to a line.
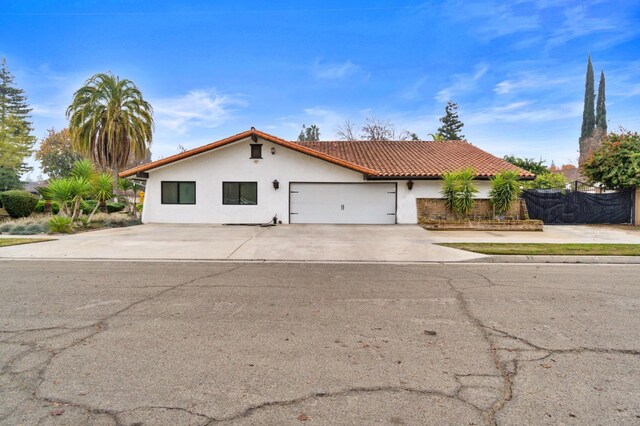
532	249
5	242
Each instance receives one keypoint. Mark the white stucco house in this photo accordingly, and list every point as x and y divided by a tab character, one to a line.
254	177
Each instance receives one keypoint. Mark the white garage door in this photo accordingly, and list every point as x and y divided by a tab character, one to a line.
366	203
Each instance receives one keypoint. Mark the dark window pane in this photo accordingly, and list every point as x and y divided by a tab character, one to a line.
231	193
169	192
187	192
244	193
249	193
256	151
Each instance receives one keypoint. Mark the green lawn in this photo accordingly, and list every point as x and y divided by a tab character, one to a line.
4	242
549	249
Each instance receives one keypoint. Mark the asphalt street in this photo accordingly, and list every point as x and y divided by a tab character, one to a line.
147	343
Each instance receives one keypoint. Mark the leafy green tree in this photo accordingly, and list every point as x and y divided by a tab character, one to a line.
56	155
547	181
601	107
84	182
437	137
309	134
413	137
451	124
616	164
588	116
110	122
9	180
16	139
528	164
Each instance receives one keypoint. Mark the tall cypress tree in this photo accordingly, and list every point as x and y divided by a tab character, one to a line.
451	124
601	108
16	139
588	117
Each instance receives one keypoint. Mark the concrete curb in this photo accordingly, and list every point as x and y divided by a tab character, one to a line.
621	260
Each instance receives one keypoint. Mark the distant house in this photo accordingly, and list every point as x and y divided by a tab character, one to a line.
253	177
31	186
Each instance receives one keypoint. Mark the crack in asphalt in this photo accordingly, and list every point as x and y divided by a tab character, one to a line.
340	393
99	326
580	349
507	368
506	375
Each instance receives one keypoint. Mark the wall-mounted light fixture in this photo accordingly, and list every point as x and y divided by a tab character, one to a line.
273	150
276	184
410	185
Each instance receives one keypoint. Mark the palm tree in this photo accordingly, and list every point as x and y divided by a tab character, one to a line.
110	122
102	191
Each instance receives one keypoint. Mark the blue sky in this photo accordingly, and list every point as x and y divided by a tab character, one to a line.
212	69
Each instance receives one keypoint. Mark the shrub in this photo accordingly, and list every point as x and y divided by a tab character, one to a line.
18	230
505	190
458	190
466	192
55	207
6	227
449	189
616	163
36	228
114	207
32	229
547	181
61	224
19	203
87	206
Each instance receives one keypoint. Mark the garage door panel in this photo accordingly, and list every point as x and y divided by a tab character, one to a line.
344	203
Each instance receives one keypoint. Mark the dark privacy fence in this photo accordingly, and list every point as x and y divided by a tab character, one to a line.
564	207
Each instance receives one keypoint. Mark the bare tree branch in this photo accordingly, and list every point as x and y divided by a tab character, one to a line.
346	131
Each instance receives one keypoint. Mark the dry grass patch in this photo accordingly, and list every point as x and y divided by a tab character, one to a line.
532	249
4	242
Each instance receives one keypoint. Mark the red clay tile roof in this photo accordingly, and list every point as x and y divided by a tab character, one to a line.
415	158
374	158
238	137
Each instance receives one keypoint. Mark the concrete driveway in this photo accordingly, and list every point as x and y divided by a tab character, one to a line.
354	243
402	243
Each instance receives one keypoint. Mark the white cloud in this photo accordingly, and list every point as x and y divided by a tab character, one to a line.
333	71
492	19
197	108
578	23
524	111
462	83
528	81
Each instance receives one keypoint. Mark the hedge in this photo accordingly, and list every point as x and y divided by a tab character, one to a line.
55	207
114	207
19	203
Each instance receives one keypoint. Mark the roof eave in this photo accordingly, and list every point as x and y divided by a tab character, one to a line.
432	177
239	137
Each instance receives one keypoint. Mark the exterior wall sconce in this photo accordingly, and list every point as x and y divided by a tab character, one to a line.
273	150
410	185
276	184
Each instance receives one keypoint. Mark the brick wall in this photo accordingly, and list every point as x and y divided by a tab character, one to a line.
434	208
